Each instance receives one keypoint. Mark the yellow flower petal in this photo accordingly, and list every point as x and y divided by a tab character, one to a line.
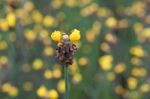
56	36
75	35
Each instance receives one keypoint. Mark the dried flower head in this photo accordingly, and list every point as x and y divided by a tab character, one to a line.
65	48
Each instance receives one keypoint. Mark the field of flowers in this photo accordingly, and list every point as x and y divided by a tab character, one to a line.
112	60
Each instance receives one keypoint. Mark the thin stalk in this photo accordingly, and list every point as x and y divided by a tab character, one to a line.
66	96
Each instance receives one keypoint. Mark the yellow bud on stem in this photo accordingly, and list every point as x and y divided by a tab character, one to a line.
56	36
75	35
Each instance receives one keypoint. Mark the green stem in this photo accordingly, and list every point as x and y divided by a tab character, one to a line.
66	82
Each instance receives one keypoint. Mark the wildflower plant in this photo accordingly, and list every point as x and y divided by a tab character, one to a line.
65	50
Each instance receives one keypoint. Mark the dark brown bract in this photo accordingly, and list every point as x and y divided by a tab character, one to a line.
65	52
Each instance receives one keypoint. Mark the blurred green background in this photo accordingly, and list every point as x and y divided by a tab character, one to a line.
112	61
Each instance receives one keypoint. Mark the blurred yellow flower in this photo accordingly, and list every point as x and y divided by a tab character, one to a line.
103	12
3	60
30	35
6	87
56	3
53	94
137	51
70	3
135	61
120	90
48	21
90	36
138	72
75	35
48	51
3	25
37	64
83	61
111	76
110	38
13	91
42	91
56	73
48	74
104	46
89	10
61	86
56	36
111	22
28	86
106	62
132	82
119	68
145	88
138	8
77	77
10	90
3	45
138	27
146	32
43	34
11	19
37	16
28	6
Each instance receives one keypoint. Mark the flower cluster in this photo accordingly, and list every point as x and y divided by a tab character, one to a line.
65	48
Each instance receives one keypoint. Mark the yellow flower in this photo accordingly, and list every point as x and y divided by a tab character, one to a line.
111	22
48	74
13	92
3	25
6	87
56	36
56	73
61	86
37	17
48	51
37	64
77	77
83	61
137	51
75	35
111	76
41	92
3	45
119	68
145	88
48	21
11	19
106	62
53	94
132	83
30	35
4	60
29	6
28	86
